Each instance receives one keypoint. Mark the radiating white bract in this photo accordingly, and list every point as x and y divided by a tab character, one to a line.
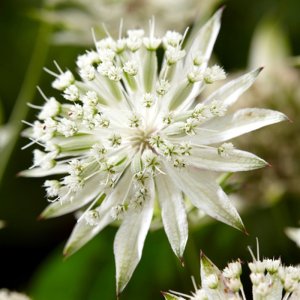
130	136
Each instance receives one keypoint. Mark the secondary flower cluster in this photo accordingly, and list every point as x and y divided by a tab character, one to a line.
75	18
132	143
270	281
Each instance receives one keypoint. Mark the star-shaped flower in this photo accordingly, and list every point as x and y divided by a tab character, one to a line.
130	137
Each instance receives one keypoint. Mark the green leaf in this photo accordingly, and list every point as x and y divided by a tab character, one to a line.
72	279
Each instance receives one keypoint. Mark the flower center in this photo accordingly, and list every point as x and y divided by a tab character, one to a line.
140	140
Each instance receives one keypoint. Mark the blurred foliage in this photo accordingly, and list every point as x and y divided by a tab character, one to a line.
31	258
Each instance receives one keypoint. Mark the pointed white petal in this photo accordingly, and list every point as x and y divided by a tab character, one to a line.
129	240
206	194
231	91
203	43
232	161
149	70
221	129
39	172
204	40
293	234
89	192
173	213
84	232
207	270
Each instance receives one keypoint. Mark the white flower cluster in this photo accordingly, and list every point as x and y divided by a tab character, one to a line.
8	295
270	281
131	133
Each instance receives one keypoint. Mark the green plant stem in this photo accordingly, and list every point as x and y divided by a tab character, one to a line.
27	92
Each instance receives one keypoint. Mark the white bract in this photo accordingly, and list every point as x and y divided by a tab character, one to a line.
133	134
270	281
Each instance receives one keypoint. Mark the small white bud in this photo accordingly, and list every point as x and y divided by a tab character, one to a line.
106	55
67	127
71	93
256	278
87	73
162	87
131	68
151	43
195	76
92	217
63	81
114	73
198	59
50	109
172	38
256	266
173	55
234	284
224	150
148	100
211	281
115	140
233	270
107	43
213	74
52	188
272	265
190	126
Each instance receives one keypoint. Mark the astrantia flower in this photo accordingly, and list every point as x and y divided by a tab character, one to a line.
270	281
129	137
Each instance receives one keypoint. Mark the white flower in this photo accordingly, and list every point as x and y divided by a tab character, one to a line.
233	270
8	295
282	284
134	134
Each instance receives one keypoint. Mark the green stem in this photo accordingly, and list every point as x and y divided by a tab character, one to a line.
27	92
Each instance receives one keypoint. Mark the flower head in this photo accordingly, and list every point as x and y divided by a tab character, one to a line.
130	133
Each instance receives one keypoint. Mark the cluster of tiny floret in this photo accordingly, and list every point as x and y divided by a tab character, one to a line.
265	275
